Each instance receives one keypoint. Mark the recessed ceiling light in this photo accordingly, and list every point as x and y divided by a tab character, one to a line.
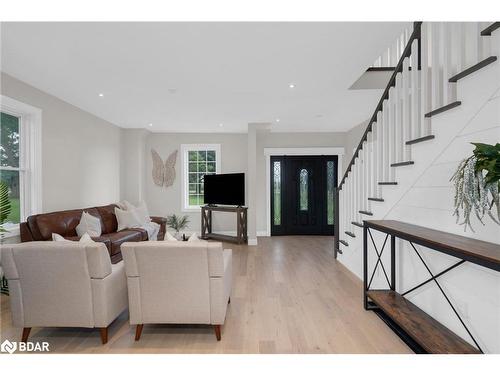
101	94
221	125
291	85
277	120
150	124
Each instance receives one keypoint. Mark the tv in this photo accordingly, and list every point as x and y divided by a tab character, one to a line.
225	189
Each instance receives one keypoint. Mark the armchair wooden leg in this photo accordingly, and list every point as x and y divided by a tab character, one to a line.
217	331
104	335
229	301
138	331
25	335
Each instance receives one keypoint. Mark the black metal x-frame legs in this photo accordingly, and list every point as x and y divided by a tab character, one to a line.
434	278
392	282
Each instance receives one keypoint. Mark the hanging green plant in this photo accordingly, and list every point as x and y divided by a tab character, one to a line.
476	183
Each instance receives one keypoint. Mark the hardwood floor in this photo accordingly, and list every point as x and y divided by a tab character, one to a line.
289	296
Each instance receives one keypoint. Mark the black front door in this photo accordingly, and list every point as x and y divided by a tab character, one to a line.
302	194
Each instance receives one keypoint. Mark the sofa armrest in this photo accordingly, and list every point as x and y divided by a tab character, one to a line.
162	221
109	295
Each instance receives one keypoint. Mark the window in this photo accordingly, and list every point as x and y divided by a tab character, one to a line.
9	161
277	192
304	190
198	160
330	192
20	160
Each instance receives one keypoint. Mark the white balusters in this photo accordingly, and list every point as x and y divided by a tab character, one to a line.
425	80
421	86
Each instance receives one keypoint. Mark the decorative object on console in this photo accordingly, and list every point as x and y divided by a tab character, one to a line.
163	174
177	223
476	182
89	224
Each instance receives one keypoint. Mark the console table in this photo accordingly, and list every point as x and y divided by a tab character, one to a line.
241	223
417	329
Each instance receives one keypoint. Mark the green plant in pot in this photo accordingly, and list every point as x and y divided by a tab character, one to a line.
177	223
476	183
4	214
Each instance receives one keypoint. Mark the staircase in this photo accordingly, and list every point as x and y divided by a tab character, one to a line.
445	74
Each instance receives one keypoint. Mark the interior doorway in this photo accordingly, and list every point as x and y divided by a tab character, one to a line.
303	194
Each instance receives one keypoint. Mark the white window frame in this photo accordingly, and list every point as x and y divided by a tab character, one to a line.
185	148
30	158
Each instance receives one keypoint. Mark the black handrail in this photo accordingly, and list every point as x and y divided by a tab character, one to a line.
415	35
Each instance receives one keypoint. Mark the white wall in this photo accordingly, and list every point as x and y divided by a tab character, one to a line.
165	201
424	196
80	152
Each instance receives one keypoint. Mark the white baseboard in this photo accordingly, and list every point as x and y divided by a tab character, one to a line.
252	241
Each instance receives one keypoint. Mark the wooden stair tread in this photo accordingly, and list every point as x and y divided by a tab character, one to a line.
388	183
434	337
357	224
490	29
350	234
473	68
376	199
402	163
345	243
442	109
365	212
421	139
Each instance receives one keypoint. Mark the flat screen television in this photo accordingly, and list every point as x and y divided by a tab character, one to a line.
225	189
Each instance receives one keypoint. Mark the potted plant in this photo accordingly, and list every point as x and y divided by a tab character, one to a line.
476	183
177	223
4	214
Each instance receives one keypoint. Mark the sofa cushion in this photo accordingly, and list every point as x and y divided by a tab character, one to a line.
120	237
108	218
143	232
63	223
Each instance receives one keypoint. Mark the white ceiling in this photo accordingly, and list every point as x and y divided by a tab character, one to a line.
191	77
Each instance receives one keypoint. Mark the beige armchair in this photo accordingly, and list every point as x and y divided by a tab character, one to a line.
177	282
63	284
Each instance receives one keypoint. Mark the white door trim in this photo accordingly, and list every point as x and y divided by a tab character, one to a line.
306	151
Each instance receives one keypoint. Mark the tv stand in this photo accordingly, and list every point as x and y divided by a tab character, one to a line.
241	223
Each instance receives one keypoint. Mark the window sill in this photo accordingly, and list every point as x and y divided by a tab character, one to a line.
191	209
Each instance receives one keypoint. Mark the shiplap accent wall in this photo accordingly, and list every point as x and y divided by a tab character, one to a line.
424	196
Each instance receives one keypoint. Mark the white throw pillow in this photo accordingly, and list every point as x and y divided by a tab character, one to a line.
86	238
89	224
169	237
126	219
58	238
194	238
141	211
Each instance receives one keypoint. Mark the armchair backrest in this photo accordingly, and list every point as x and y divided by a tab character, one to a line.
50	282
168	282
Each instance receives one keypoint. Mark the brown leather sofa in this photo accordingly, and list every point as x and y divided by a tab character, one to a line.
40	228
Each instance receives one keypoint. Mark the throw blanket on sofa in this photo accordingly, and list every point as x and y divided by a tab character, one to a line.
152	229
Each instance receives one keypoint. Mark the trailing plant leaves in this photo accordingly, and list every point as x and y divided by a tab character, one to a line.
476	184
488	158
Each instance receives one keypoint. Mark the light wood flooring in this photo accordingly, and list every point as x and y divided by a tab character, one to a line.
289	296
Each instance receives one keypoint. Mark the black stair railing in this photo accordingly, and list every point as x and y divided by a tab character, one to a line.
415	35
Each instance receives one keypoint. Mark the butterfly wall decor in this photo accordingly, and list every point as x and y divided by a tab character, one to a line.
163	173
